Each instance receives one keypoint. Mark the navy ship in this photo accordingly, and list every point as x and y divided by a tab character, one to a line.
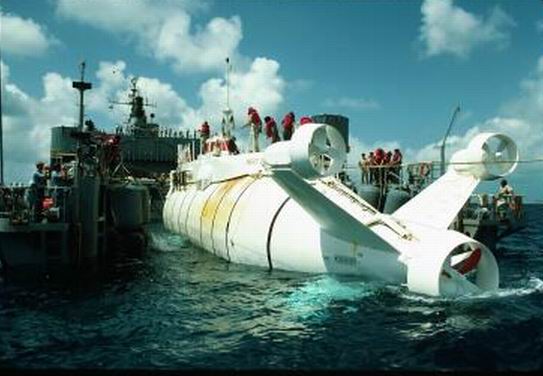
112	183
485	217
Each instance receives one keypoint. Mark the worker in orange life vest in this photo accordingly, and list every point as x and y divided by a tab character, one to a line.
288	125
397	164
379	161
271	129
255	124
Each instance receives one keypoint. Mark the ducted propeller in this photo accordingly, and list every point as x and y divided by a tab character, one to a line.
501	155
451	264
326	151
316	150
488	156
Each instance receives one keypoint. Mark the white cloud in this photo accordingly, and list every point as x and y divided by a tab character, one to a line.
449	29
23	37
521	119
260	87
352	103
164	29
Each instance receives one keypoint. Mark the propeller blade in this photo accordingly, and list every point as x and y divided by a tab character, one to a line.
315	149
501	146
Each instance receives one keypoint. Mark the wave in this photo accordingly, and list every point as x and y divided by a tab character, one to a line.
532	286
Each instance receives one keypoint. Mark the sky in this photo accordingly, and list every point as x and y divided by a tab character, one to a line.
396	69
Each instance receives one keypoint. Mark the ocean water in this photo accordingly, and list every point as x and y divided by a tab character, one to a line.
178	307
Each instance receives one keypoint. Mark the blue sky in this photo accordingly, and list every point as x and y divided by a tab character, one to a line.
396	69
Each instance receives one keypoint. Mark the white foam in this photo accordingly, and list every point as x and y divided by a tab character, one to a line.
532	285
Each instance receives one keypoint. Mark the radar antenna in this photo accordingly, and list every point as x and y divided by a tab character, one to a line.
137	103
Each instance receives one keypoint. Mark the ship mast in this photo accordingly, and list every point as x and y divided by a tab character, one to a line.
228	116
442	161
81	86
228	67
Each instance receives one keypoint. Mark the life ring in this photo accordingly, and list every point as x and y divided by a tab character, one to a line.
424	169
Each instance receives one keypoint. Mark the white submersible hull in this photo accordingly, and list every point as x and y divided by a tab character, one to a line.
282	209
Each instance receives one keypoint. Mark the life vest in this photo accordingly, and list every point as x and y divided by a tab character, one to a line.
305	120
270	128
288	122
47	203
255	118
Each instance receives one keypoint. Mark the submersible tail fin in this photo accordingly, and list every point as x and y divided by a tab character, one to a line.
447	262
488	156
318	150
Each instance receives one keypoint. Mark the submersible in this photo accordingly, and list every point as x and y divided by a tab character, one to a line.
284	209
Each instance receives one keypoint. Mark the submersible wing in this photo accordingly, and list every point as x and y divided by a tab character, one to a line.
284	209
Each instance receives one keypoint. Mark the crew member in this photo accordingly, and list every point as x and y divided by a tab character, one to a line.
204	135
57	182
37	188
379	162
397	164
363	163
288	125
371	167
232	147
271	129
504	194
387	162
255	124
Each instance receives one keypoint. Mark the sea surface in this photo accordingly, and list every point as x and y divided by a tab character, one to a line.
178	307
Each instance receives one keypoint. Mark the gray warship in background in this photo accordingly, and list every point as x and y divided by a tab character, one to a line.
114	189
147	151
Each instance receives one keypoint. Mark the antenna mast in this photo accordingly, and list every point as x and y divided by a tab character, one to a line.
456	111
228	116
81	86
228	67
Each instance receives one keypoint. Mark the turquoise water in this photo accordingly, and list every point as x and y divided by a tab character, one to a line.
178	307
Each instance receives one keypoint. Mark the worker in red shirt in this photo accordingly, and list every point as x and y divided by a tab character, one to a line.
255	124
288	125
379	161
271	129
387	162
